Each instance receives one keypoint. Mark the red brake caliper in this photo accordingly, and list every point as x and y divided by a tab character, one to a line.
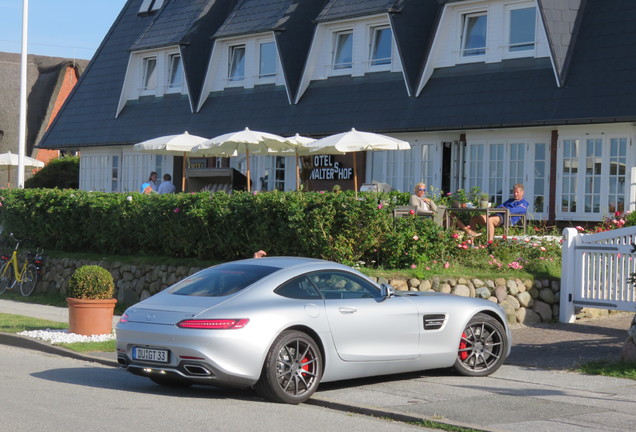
304	364
462	346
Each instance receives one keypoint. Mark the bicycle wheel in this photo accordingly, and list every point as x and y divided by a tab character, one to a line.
29	279
6	276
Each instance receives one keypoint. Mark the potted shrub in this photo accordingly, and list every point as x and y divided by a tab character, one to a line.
90	301
483	200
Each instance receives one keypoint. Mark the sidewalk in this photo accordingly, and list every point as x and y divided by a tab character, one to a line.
532	392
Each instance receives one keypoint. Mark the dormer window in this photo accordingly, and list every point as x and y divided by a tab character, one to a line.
380	52
149	75
343	50
474	26
267	60
149	6
175	73
236	71
522	29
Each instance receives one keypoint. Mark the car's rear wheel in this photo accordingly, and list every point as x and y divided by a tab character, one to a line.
482	347
292	369
170	381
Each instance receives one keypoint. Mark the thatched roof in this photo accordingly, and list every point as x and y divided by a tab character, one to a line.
44	80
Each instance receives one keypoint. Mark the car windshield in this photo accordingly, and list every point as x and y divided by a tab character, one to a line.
221	280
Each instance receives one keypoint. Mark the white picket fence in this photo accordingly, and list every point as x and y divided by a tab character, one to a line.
595	271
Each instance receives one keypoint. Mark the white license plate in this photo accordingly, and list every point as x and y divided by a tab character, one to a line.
153	355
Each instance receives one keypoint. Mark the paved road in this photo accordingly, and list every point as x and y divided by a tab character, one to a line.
533	392
43	392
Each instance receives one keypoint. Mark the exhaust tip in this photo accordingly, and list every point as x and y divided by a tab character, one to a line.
197	370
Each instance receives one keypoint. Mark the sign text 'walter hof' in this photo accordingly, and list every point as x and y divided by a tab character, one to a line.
326	169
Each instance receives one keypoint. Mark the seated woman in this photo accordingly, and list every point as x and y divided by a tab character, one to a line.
516	205
422	204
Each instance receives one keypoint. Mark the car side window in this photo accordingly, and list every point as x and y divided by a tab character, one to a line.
299	288
341	285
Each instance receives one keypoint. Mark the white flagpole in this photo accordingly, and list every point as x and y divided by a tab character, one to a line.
23	96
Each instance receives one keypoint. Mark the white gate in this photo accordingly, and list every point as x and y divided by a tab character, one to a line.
595	271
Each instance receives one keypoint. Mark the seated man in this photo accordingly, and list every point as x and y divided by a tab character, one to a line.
516	206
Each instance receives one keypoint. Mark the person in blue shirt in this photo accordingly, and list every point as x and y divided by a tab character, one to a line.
151	185
515	205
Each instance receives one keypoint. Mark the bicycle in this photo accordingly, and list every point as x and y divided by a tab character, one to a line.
27	276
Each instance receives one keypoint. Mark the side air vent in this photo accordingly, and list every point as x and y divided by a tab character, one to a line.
434	322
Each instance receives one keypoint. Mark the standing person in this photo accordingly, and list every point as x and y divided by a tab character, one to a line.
516	205
166	185
151	185
422	204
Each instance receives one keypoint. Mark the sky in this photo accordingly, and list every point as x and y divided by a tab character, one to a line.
58	28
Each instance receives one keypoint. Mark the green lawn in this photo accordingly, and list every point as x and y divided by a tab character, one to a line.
612	369
18	323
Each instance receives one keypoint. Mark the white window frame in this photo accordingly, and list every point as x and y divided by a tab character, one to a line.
144	88
372	35
341	68
405	168
492	170
170	87
463	28
581	176
268	77
149	6
239	79
530	52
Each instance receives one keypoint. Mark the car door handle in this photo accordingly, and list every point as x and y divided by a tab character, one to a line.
348	310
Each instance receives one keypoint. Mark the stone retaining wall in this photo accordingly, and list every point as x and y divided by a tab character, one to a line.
525	301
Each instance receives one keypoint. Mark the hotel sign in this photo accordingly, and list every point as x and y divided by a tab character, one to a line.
325	168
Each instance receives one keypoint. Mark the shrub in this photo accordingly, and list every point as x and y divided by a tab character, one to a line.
91	282
62	173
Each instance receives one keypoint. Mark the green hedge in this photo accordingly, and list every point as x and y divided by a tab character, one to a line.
219	226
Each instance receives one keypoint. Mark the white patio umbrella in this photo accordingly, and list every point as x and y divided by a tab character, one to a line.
246	141
354	141
180	144
300	146
9	159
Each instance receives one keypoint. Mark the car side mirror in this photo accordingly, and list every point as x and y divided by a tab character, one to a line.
386	290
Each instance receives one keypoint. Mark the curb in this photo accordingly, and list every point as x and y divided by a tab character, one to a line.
34	344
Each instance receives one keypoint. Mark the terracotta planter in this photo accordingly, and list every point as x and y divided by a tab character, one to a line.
90	317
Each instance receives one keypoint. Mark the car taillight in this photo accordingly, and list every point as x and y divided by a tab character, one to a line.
213	324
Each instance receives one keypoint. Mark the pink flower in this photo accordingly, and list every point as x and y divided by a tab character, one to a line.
428	268
446	264
455	235
434	261
412	212
617	214
542	249
322	192
176	210
413	266
380	206
580	228
618	255
527	240
416	238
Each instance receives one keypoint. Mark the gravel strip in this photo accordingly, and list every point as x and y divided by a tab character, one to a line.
63	336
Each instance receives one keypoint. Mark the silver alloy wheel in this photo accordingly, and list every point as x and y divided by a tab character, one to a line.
292	369
482	347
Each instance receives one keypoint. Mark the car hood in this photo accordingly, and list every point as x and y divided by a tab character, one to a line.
165	308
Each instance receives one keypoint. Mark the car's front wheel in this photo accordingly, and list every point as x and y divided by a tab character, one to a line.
482	347
292	369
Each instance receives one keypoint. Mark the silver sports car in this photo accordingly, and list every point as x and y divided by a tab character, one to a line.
283	325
